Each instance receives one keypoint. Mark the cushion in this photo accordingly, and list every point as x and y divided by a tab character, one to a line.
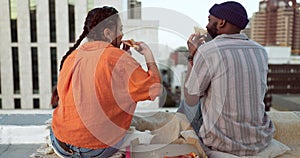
287	126
273	150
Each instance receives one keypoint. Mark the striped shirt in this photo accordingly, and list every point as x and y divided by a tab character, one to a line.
229	74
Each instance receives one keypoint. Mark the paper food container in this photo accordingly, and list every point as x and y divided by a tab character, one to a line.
159	150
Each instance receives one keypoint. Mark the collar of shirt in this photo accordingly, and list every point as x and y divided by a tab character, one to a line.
94	45
241	36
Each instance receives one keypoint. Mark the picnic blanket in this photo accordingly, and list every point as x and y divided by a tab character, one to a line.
168	127
164	127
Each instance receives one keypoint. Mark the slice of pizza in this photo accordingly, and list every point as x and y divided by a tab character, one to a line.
199	30
131	43
190	155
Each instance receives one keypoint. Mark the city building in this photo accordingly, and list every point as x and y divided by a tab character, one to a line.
34	36
134	9
179	56
277	23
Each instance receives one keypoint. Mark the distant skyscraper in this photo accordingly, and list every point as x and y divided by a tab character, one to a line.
277	23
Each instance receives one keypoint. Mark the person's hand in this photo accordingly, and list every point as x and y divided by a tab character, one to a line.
126	48
194	41
142	48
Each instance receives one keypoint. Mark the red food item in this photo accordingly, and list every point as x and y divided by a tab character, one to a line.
190	155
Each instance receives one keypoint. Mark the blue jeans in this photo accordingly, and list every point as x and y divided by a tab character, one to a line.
193	114
77	152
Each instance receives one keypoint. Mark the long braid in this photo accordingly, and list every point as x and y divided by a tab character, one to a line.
55	98
77	43
95	22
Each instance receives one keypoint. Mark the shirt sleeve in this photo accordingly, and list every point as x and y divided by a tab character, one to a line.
200	76
143	85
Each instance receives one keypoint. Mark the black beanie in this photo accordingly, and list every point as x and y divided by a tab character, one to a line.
231	11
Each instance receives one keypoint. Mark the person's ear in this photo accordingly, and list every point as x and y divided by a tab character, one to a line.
107	34
222	23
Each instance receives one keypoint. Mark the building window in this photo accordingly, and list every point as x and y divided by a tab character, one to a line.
35	70
71	21
36	103
32	12
13	20
134	9
16	75
52	21
53	66
17	103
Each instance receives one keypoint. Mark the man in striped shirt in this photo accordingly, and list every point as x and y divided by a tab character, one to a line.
229	75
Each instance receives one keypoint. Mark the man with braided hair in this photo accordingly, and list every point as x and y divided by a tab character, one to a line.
98	88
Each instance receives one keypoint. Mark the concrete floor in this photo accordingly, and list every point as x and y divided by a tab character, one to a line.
17	150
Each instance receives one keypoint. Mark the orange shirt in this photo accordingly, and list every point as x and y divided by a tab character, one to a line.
99	86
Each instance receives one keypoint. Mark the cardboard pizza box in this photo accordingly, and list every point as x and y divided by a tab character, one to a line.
160	150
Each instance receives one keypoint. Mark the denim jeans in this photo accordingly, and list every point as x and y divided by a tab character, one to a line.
193	114
78	152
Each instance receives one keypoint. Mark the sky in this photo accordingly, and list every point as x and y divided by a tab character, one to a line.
185	14
197	9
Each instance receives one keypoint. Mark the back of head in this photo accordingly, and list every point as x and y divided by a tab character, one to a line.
231	11
98	19
95	22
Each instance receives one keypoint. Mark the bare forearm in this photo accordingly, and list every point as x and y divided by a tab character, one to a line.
150	61
194	41
151	65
